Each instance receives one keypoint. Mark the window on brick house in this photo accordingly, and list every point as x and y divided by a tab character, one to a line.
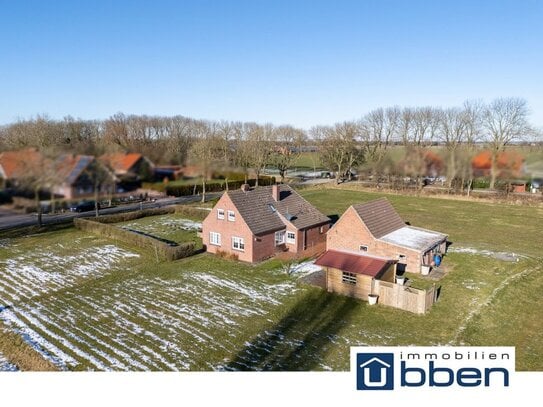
363	248
238	243
220	213
231	216
291	237
215	238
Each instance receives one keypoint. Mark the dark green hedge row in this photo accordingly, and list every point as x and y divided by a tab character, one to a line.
162	250
214	186
128	216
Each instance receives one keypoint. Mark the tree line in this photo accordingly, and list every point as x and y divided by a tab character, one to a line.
342	147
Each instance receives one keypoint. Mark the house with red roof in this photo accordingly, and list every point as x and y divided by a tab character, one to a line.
78	176
18	165
129	168
509	164
256	224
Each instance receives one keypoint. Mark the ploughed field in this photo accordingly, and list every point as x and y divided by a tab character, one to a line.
87	303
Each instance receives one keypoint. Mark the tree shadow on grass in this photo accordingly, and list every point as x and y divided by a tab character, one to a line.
302	338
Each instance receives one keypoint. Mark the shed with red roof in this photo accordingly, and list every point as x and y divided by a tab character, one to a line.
355	274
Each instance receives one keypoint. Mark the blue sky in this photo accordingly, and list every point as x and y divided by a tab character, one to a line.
298	62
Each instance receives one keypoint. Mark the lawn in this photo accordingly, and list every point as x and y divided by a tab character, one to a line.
176	228
84	302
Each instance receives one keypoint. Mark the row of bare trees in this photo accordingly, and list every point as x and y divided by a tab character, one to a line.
250	146
459	129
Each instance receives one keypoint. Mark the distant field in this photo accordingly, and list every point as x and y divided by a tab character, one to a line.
85	302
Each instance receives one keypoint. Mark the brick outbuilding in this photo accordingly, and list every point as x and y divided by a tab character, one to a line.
375	228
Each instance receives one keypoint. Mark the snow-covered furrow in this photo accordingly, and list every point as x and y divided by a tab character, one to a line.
81	339
6	365
39	324
37	341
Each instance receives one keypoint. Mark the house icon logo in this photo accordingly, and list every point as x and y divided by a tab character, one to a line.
374	371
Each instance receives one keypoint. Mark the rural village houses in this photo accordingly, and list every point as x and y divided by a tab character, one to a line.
254	224
73	176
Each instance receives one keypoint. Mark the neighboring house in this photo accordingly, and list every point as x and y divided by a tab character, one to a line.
169	172
509	164
77	176
354	274
129	168
254	224
375	228
16	166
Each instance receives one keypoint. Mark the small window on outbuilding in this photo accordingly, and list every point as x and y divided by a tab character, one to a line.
348	278
363	248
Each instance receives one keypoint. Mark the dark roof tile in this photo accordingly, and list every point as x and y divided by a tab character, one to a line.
379	217
261	212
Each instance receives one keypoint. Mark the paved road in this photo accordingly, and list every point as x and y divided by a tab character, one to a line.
12	221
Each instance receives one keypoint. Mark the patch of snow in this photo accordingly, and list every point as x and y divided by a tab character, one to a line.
6	366
413	238
164	224
305	268
504	256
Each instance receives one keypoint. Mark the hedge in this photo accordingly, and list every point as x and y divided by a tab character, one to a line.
214	186
128	216
163	250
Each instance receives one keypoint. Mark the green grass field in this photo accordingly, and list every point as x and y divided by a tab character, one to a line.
84	302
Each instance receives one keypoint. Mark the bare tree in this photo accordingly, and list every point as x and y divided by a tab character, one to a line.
258	146
288	142
206	150
339	148
504	121
452	133
378	129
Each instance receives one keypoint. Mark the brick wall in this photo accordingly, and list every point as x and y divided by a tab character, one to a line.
227	230
349	233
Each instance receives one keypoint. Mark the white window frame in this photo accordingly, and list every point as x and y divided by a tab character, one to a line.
291	240
363	248
220	213
231	216
348	278
215	238
238	243
282	234
321	230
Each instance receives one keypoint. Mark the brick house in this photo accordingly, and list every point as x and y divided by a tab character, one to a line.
19	165
77	176
375	228
129	168
255	224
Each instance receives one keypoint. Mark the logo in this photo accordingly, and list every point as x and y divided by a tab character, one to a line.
406	368
375	371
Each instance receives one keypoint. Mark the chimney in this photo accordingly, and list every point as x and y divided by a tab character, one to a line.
245	187
275	192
